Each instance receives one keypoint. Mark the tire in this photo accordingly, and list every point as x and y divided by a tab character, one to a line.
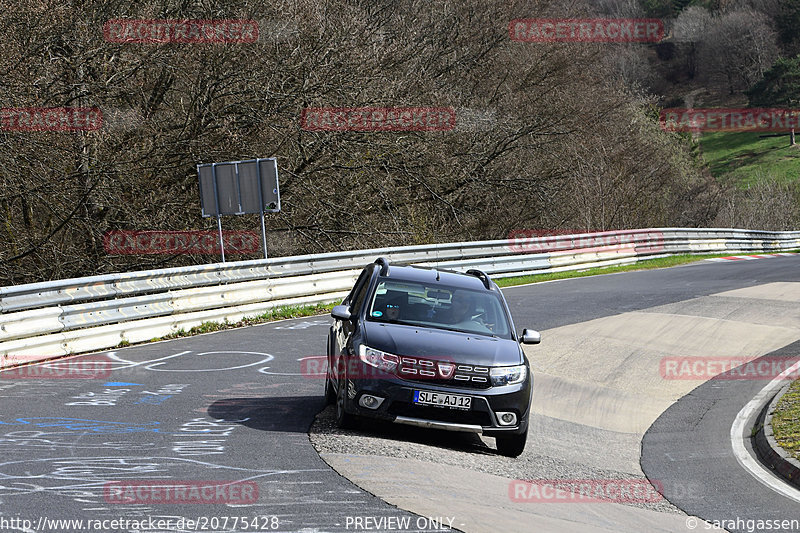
330	393
344	420
512	445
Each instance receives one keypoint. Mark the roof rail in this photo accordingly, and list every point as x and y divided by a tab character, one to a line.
384	263
481	275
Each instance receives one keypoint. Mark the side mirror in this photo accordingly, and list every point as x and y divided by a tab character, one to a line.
530	336
341	312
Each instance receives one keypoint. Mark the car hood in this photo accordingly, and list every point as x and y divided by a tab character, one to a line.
464	348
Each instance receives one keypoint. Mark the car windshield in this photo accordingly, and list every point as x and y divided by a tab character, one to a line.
451	308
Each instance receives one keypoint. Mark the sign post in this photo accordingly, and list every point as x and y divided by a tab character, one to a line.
239	188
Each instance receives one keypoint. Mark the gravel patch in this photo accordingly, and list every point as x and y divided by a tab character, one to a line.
465	450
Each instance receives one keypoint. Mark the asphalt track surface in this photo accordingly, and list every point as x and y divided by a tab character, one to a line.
232	406
689	445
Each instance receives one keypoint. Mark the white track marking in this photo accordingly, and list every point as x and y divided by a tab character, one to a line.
152	363
738	429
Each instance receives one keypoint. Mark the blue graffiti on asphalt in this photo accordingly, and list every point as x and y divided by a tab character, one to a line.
80	424
152	400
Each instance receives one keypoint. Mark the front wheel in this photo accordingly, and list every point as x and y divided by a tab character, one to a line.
344	420
330	393
512	445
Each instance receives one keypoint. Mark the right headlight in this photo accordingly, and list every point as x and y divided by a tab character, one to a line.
378	359
507	375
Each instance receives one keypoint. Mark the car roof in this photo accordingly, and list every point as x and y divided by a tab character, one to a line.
429	275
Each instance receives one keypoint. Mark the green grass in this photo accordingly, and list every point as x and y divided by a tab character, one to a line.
661	262
743	157
786	420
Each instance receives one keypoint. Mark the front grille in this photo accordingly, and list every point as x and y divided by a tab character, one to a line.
440	372
441	414
475	376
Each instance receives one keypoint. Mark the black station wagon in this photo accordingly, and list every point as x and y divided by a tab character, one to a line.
430	348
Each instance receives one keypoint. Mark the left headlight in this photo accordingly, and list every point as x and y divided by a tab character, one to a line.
507	375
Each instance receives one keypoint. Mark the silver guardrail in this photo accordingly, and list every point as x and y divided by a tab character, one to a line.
43	320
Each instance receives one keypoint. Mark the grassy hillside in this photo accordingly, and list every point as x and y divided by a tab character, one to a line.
743	157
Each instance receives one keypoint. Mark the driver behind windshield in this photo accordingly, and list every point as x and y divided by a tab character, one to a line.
462	310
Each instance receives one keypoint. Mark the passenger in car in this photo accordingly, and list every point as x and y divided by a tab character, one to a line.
392	310
393	305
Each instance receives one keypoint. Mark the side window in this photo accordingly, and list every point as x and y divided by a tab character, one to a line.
362	292
359	282
356	296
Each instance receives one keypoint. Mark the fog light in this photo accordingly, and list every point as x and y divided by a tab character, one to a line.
370	402
506	419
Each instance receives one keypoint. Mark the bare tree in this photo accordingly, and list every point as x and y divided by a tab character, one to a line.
620	8
738	48
764	204
768	7
689	29
565	143
631	65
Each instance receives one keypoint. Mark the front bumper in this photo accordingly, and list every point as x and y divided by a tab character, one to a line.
397	405
433	424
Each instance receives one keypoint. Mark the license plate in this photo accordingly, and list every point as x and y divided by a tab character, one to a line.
438	399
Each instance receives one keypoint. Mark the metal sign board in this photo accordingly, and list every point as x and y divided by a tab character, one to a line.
239	187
